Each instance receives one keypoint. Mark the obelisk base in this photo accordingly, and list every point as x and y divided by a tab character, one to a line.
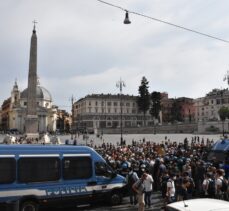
31	125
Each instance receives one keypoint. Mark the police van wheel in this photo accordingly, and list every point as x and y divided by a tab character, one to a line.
115	198
29	206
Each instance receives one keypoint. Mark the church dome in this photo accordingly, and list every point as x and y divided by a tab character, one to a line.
42	93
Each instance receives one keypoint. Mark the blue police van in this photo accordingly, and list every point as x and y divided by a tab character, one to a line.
39	175
220	151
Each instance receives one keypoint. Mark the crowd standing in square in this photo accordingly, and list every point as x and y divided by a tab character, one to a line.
180	171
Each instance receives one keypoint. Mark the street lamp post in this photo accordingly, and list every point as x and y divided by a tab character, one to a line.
120	84
226	78
72	100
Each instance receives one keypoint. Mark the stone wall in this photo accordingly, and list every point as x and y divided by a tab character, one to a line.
176	128
213	127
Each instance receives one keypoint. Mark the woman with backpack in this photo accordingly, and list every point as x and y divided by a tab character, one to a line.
208	186
221	184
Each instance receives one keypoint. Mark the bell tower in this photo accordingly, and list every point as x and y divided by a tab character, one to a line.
15	95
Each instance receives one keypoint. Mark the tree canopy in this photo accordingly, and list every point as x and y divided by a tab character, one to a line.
156	104
223	113
144	96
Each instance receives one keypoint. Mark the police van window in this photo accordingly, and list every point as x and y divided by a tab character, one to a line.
77	168
8	170
102	169
39	169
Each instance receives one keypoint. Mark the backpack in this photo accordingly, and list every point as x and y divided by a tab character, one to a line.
224	186
164	186
138	186
211	187
131	180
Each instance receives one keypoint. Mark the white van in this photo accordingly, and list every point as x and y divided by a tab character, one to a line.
205	204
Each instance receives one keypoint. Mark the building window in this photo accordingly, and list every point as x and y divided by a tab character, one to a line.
128	104
115	104
72	168
109	103
109	110
115	110
25	103
102	103
38	169
89	103
96	103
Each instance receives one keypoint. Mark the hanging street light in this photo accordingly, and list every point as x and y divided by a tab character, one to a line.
127	20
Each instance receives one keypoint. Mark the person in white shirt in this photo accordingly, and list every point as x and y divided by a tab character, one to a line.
170	194
148	183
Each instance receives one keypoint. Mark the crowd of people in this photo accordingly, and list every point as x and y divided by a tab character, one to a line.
180	171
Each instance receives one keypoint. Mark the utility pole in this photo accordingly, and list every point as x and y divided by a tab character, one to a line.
226	78
72	126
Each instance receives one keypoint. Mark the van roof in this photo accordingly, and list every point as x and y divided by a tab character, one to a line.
6	148
221	145
205	204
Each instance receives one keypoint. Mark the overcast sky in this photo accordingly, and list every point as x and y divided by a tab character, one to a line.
84	47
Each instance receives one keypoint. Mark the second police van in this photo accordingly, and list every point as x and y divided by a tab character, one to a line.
40	175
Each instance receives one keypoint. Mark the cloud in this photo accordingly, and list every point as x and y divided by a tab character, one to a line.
84	47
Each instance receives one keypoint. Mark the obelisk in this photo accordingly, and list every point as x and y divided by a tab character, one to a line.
31	121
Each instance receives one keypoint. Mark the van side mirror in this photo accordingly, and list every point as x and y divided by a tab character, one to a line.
111	173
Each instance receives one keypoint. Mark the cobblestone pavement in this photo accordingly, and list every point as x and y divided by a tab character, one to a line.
125	206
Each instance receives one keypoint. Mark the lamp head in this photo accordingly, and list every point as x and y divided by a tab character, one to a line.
126	20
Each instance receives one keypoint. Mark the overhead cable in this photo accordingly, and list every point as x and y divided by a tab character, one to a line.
165	22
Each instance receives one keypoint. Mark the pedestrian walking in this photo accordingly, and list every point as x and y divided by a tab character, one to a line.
131	178
170	193
139	188
148	183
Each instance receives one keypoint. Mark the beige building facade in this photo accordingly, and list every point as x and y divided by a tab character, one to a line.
206	108
106	111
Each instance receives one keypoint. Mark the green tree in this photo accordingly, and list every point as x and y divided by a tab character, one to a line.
223	114
155	104
176	111
143	100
